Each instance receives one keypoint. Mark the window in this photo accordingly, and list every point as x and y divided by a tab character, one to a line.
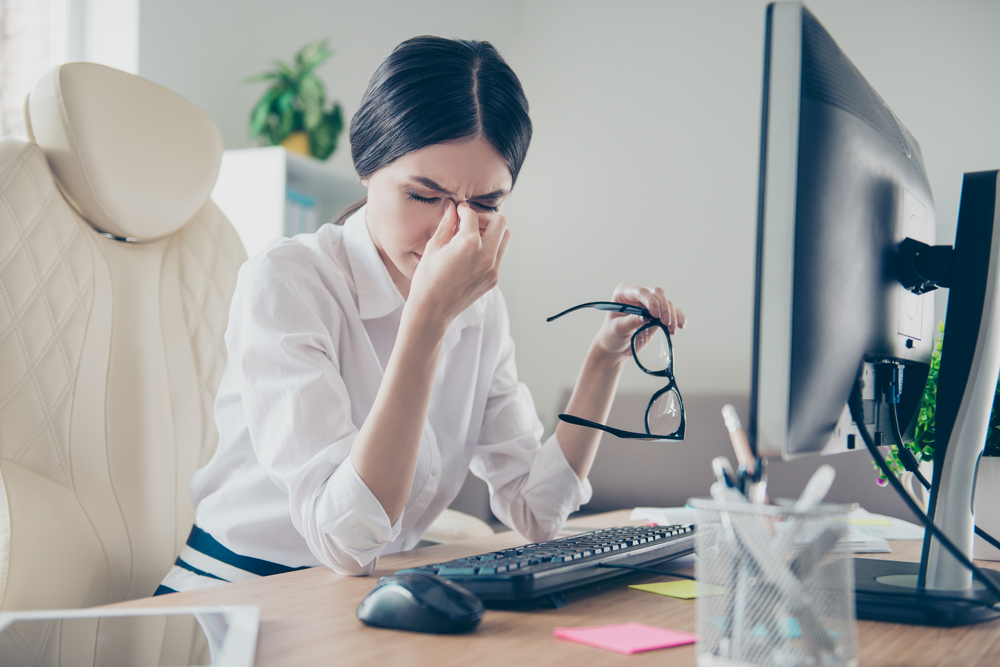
27	28
36	35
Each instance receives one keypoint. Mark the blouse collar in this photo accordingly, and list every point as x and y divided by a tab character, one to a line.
377	294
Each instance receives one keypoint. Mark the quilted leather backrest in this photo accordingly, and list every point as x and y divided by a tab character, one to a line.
110	357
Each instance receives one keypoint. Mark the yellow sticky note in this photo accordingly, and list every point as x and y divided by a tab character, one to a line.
870	521
684	589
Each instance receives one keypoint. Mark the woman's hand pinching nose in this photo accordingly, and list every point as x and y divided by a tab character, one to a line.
459	264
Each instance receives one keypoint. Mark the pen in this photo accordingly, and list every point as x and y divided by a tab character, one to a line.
816	489
752	472
744	456
723	472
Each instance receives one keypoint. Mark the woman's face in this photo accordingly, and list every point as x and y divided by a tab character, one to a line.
407	198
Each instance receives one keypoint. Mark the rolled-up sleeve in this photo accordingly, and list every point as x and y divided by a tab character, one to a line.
285	351
532	486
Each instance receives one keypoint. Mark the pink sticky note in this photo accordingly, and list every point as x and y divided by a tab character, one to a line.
626	637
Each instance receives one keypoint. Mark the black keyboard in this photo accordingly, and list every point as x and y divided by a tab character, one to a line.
547	568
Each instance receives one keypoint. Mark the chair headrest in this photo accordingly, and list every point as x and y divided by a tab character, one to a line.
135	159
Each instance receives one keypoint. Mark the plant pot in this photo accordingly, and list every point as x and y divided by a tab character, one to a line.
297	142
987	507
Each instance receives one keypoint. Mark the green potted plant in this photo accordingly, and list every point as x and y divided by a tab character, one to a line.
292	112
988	477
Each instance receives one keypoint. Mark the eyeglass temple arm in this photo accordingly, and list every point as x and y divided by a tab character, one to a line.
580	421
625	435
611	306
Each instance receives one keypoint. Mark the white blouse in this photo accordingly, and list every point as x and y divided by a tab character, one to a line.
311	326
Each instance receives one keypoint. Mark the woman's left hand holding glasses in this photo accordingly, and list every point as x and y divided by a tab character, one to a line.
615	334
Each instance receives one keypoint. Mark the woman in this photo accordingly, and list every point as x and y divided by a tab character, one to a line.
370	364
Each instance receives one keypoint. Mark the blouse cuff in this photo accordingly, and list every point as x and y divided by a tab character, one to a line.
354	520
552	482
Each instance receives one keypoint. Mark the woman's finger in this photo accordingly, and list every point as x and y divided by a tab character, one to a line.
494	234
626	293
504	242
469	220
637	295
667	309
446	228
655	301
626	325
485	219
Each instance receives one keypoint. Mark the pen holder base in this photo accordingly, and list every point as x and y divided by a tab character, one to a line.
773	587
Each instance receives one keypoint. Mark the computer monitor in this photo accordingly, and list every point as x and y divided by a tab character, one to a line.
845	220
842	182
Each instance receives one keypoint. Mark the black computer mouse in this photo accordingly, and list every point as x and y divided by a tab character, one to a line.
421	602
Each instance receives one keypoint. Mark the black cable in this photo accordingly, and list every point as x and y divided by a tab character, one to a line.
906	457
900	448
910	463
925	548
857	413
646	569
986	536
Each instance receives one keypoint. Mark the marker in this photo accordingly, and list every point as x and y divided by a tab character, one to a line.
744	455
816	489
723	472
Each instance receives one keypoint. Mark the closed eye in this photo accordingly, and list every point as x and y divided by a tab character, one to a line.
426	200
413	196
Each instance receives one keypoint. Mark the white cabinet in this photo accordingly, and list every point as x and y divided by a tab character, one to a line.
987	506
269	192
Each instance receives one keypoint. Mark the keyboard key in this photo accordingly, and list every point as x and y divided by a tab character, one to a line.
446	571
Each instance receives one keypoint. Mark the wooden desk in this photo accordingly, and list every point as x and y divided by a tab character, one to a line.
307	618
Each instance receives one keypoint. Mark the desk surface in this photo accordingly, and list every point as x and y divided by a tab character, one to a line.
307	617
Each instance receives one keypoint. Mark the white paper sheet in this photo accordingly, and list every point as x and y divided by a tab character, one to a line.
862	524
857	543
664	516
867	534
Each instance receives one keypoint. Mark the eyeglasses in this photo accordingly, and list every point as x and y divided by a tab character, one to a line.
654	354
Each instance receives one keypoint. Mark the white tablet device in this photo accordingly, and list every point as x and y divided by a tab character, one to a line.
137	637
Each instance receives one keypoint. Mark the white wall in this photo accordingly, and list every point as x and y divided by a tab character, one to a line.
207	50
643	167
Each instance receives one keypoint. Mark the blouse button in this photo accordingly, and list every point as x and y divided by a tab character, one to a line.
435	472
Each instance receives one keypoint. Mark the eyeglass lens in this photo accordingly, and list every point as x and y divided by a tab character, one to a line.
664	414
652	350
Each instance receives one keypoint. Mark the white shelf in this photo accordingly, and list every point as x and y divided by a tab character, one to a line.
252	187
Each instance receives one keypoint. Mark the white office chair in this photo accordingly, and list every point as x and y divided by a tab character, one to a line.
116	272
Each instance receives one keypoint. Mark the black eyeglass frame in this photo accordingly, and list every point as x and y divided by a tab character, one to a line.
668	372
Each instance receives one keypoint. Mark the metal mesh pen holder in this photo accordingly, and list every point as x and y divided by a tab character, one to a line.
773	587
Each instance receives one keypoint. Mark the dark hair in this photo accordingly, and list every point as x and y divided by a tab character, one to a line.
432	90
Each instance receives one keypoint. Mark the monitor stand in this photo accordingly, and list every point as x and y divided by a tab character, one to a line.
886	590
967	381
